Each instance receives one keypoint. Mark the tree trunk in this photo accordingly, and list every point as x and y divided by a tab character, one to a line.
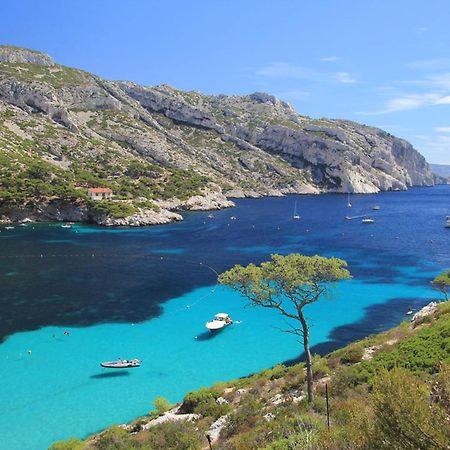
309	369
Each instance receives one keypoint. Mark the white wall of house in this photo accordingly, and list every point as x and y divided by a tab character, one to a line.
99	195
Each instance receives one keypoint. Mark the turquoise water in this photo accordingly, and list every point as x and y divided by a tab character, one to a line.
147	293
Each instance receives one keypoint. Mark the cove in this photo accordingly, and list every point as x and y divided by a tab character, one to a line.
146	293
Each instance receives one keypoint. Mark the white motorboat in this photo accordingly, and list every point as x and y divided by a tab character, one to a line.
348	200
220	321
367	220
233	218
296	216
376	207
447	223
66	225
9	228
121	364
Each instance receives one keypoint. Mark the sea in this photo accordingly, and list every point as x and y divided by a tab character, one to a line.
72	298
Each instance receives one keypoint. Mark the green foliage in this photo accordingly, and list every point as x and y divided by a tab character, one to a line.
114	209
195	399
442	283
274	373
422	352
114	438
404	418
170	436
71	444
320	366
352	355
161	405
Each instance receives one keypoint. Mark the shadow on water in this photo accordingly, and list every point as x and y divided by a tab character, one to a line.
119	276
100	376
377	318
206	336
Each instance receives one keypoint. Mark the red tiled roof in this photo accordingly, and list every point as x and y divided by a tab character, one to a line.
100	190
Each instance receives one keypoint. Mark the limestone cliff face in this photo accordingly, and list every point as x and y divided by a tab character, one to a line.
245	145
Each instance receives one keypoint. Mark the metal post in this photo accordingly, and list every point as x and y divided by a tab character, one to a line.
328	406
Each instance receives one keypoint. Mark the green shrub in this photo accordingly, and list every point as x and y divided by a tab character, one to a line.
71	444
171	435
352	355
195	398
320	367
422	352
114	209
114	438
404	417
274	373
161	406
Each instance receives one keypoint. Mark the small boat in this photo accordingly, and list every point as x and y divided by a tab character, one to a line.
348	218
348	200
210	216
66	225
447	223
367	220
233	218
295	216
376	207
9	228
220	321
121	364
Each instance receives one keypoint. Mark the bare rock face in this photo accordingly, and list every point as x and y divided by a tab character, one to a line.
11	54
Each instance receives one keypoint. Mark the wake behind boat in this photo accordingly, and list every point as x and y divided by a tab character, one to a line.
121	364
221	320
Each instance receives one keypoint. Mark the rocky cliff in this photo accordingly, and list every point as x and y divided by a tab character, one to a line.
63	130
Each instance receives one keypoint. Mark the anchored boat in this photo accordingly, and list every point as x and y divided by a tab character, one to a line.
121	364
220	321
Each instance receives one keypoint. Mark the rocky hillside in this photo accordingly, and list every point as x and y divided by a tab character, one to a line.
63	130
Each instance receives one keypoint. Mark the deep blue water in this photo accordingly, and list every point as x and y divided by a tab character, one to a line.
147	292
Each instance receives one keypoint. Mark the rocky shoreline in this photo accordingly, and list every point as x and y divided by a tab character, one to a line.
164	213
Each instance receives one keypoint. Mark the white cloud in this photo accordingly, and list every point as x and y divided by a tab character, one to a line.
442	129
429	64
330	58
344	77
410	102
286	70
443	100
433	81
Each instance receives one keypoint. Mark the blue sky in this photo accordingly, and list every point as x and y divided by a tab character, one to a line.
384	63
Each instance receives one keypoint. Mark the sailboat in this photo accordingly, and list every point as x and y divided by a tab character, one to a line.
295	216
348	200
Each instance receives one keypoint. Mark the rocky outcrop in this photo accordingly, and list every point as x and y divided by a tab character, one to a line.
427	310
12	54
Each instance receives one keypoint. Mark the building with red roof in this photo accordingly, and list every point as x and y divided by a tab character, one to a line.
100	193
